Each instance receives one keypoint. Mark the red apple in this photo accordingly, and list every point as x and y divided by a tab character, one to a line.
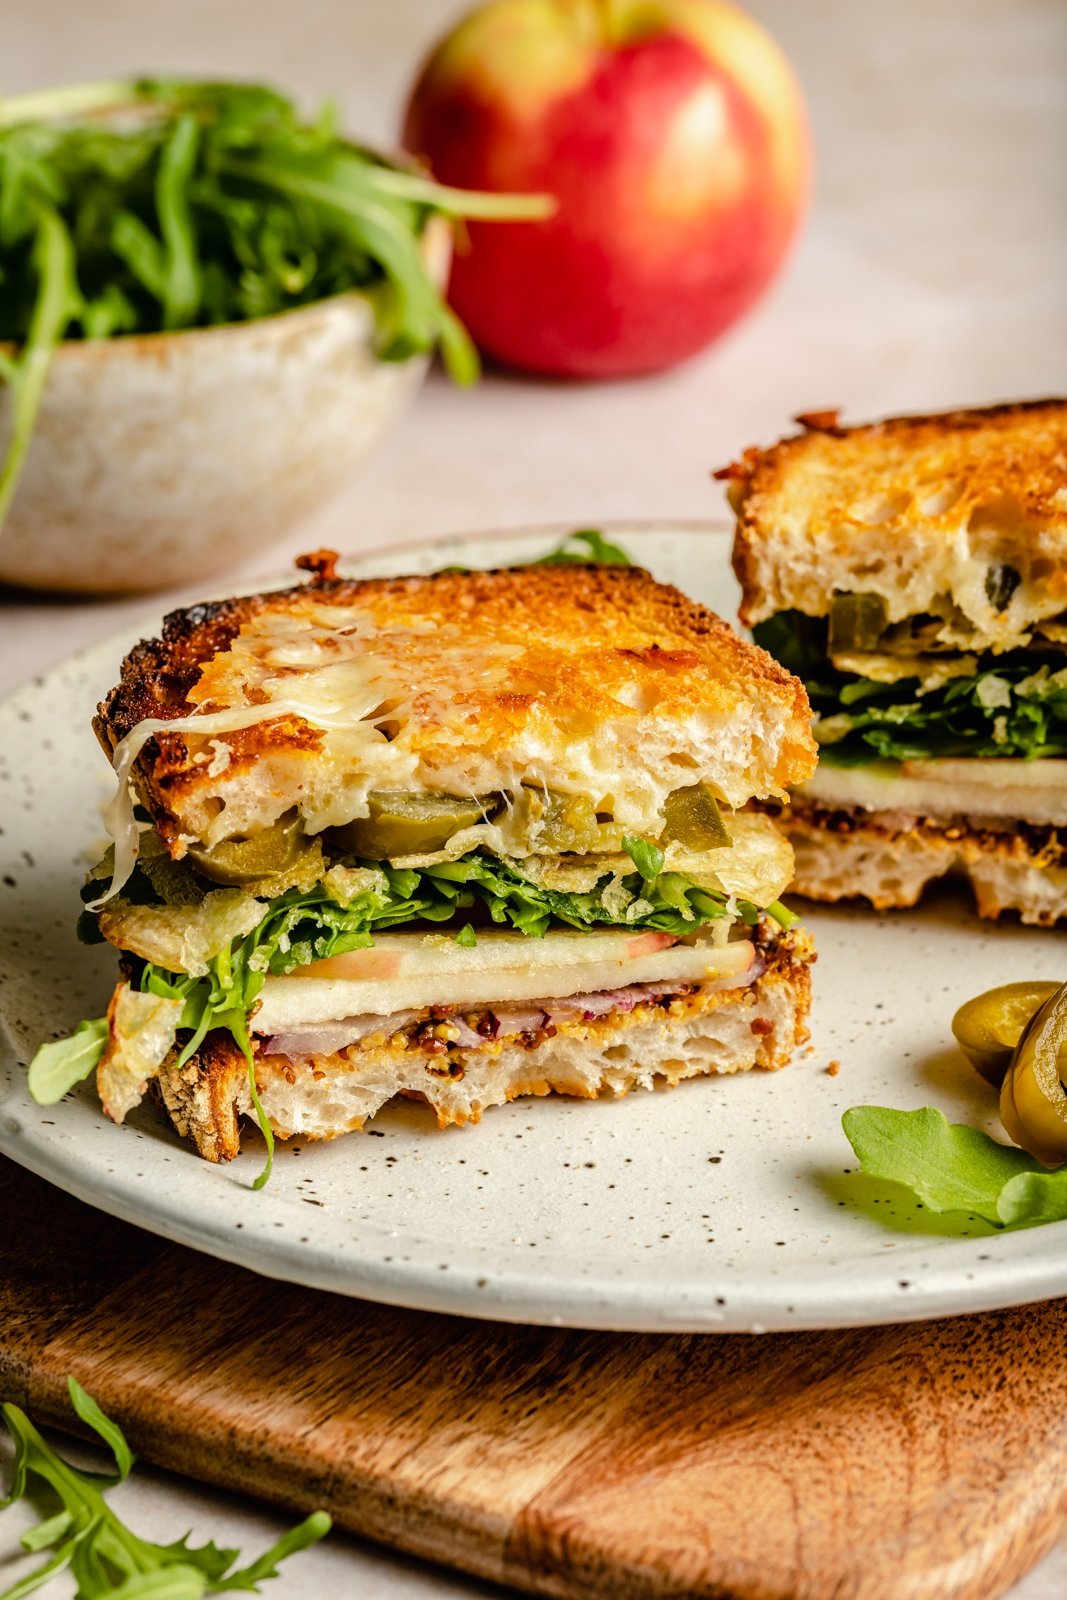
672	133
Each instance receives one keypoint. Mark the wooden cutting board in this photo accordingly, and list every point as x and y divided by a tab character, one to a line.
901	1463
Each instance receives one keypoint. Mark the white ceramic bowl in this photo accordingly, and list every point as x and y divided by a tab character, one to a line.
161	459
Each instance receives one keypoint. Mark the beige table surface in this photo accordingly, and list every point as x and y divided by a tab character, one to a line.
932	274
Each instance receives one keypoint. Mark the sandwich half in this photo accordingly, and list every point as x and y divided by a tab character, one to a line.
460	837
914	574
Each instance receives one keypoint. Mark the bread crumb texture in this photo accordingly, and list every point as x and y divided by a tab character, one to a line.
842	856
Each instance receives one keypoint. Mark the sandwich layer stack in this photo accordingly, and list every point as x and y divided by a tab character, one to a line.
460	837
914	574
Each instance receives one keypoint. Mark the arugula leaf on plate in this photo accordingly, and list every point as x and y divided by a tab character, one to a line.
58	1066
583	547
953	1168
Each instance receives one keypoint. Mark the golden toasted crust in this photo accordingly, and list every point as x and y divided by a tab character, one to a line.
916	509
491	667
324	1096
651	627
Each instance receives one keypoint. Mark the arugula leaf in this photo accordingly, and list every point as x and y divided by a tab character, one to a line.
647	857
1033	1197
306	1533
112	1435
1015	705
951	1167
585	546
213	203
181	278
46	1533
785	918
172	1583
106	1558
58	1066
55	302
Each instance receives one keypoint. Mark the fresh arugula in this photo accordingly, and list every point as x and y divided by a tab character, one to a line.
585	546
105	1558
58	1066
953	1168
1017	706
194	204
646	856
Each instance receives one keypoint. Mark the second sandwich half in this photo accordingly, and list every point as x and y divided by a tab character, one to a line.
460	837
914	573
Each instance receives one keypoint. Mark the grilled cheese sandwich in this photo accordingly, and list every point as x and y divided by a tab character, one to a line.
460	837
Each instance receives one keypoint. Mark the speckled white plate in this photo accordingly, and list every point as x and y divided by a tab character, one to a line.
722	1204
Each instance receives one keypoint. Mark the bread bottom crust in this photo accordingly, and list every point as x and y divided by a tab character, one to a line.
843	855
323	1096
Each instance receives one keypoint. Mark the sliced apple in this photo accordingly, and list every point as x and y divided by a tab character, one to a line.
433	970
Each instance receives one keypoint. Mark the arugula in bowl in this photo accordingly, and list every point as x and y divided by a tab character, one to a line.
153	205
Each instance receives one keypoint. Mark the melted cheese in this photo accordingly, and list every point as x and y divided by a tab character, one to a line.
411	971
342	677
1026	791
491	693
932	671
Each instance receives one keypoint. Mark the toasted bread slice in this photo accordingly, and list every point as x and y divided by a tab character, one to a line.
891	859
594	680
709	1031
925	512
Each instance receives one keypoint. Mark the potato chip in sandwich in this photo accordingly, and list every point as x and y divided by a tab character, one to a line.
459	838
914	574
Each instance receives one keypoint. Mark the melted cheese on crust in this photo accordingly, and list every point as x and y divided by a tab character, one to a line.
600	683
406	706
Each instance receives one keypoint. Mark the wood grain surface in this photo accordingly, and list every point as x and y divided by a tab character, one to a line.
926	1462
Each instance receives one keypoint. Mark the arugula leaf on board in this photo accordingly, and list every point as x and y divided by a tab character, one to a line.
954	1168
107	1560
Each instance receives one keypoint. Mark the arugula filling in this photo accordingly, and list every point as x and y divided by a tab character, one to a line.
1015	705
